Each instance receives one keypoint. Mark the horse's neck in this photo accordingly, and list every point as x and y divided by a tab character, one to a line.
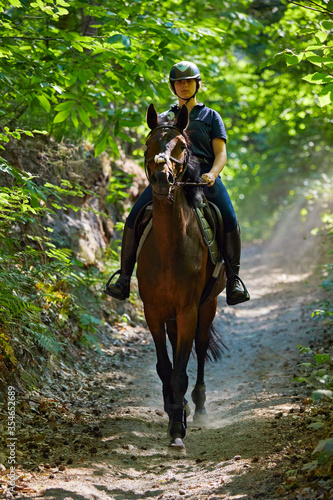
171	219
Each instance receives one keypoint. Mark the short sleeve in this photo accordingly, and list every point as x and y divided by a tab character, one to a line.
218	128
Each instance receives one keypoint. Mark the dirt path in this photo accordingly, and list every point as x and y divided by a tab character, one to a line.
110	440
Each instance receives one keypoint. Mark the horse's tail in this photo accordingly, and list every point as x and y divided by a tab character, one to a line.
216	345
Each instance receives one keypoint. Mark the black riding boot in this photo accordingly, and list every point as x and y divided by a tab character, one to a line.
121	288
236	290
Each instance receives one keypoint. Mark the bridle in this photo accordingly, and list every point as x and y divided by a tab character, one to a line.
165	158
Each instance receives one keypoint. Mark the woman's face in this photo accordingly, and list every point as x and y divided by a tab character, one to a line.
185	88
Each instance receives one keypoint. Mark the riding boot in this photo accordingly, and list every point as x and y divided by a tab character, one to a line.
121	288
236	290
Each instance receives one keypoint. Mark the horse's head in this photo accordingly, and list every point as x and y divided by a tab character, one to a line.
167	152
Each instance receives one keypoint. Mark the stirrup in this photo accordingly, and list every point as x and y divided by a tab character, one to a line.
110	279
119	292
239	300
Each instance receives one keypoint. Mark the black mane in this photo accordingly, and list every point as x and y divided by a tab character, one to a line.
194	194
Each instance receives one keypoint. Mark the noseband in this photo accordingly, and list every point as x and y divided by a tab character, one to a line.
165	158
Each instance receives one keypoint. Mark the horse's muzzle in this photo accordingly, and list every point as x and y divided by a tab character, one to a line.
161	182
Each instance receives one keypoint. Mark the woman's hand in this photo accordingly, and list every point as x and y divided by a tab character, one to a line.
209	178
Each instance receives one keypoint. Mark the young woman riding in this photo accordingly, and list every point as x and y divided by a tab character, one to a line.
208	143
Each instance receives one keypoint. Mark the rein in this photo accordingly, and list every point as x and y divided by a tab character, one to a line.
163	158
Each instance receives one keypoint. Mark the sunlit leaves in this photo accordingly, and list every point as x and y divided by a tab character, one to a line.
62	115
44	102
318	78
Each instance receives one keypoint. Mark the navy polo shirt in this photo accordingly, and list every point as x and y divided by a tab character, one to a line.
205	125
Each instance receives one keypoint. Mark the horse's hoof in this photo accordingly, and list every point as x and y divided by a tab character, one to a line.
177	447
200	418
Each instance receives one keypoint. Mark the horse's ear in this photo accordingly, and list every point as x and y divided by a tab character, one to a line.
182	119
152	117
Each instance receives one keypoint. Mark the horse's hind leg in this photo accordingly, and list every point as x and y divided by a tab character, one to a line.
202	338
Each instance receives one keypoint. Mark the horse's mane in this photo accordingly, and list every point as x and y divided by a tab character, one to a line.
193	194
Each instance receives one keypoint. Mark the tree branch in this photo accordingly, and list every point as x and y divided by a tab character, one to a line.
318	5
327	12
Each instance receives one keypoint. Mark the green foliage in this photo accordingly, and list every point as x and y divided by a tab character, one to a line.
318	374
325	447
118	187
38	280
68	66
316	48
80	70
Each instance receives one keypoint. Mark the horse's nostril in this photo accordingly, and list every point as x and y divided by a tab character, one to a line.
153	179
159	177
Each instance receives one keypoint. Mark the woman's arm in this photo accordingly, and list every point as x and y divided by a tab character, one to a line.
220	153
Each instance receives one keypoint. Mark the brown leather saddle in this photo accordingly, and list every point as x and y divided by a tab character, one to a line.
209	220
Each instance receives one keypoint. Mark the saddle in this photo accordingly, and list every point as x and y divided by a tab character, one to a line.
209	220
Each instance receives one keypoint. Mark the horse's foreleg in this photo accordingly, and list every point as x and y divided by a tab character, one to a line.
206	316
186	326
163	365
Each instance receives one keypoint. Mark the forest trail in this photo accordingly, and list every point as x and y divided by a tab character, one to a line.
112	442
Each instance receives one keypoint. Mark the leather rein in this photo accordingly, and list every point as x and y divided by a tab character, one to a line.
164	158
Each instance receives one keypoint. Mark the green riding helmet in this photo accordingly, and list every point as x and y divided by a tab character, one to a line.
184	70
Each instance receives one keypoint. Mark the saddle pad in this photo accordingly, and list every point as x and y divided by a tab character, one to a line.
208	231
144	237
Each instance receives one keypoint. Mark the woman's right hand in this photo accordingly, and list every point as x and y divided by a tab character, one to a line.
208	178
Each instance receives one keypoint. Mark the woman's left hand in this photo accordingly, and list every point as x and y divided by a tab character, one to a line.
209	178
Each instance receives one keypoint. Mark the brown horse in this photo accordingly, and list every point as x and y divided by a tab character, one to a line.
173	270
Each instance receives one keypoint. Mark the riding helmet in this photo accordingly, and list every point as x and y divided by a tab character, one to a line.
184	70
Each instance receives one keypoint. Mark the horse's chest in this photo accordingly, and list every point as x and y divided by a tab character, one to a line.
172	276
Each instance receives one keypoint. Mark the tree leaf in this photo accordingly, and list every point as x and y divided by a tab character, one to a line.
61	117
65	105
321	36
324	100
114	38
326	95
291	59
325	445
84	116
44	102
74	119
126	41
314	59
328	61
318	78
320	393
101	145
315	425
327	25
